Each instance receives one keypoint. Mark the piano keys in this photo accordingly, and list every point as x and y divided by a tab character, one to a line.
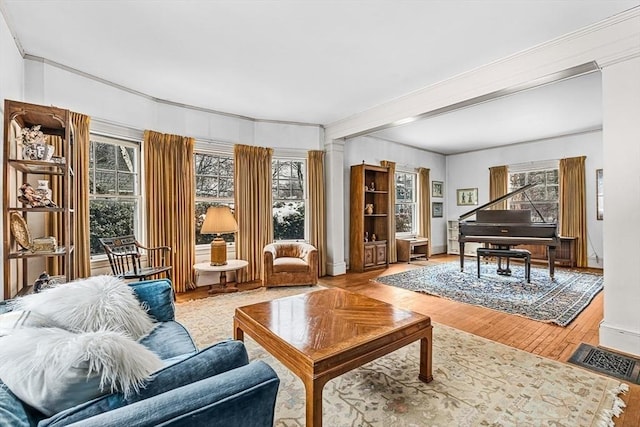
507	228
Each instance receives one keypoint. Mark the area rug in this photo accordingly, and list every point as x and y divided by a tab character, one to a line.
477	382
556	301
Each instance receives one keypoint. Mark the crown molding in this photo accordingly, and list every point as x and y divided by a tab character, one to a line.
106	82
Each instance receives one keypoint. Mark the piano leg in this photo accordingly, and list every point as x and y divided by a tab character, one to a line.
552	260
461	256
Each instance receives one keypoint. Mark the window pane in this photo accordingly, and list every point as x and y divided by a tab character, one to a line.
225	188
404	218
126	159
126	184
105	156
288	220
206	186
110	218
214	176
105	182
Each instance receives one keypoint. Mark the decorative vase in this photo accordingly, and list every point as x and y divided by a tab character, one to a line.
37	151
368	209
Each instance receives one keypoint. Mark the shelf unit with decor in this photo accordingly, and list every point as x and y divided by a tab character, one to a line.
369	217
23	260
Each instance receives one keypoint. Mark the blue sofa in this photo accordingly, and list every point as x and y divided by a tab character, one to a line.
216	386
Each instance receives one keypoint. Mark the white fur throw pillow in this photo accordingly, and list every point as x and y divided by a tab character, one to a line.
15	320
92	304
53	369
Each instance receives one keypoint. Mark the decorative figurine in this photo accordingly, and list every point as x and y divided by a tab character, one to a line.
366	236
368	209
36	198
372	187
373	237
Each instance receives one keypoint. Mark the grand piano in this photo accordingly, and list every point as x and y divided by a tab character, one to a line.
506	228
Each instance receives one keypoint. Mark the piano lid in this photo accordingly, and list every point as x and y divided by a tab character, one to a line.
496	201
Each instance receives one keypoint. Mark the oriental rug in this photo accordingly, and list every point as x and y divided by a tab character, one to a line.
476	381
556	301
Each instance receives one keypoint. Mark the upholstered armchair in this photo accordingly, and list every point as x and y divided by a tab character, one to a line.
285	264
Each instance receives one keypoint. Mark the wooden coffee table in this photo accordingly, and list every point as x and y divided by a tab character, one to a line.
323	334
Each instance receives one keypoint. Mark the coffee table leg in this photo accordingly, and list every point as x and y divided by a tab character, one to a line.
313	389
238	334
426	354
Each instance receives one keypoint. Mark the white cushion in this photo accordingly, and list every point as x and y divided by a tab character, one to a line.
52	369
88	305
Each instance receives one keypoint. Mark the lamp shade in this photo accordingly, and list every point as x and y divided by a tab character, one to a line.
219	220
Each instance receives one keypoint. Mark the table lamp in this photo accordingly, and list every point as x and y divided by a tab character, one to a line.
219	220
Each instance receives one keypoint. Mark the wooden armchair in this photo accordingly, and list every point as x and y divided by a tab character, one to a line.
125	258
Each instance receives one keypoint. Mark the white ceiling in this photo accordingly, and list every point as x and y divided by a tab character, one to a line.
317	61
561	108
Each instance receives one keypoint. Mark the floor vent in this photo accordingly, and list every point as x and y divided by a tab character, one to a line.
607	362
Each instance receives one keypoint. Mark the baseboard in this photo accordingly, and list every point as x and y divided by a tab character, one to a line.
336	269
594	262
436	250
618	339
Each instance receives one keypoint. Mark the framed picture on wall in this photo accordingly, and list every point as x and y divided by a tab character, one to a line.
437	188
436	210
467	196
599	195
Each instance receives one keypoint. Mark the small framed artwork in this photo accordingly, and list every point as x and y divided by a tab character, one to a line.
436	209
467	196
436	188
599	195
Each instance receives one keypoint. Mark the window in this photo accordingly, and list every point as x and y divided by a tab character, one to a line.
544	196
405	209
289	203
114	189
214	186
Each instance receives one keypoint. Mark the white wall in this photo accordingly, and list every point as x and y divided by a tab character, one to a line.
372	151
48	83
11	84
471	170
620	328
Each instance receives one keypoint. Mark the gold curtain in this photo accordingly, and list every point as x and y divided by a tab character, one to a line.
54	225
424	197
170	204
81	126
391	232
315	166
573	211
498	185
254	206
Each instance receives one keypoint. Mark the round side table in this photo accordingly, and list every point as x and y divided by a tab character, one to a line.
231	265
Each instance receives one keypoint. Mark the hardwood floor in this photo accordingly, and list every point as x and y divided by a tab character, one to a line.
547	340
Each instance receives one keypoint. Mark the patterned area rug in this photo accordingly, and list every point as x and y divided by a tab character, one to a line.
556	301
477	382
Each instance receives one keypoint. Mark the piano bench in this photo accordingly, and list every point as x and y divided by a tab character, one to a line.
506	253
